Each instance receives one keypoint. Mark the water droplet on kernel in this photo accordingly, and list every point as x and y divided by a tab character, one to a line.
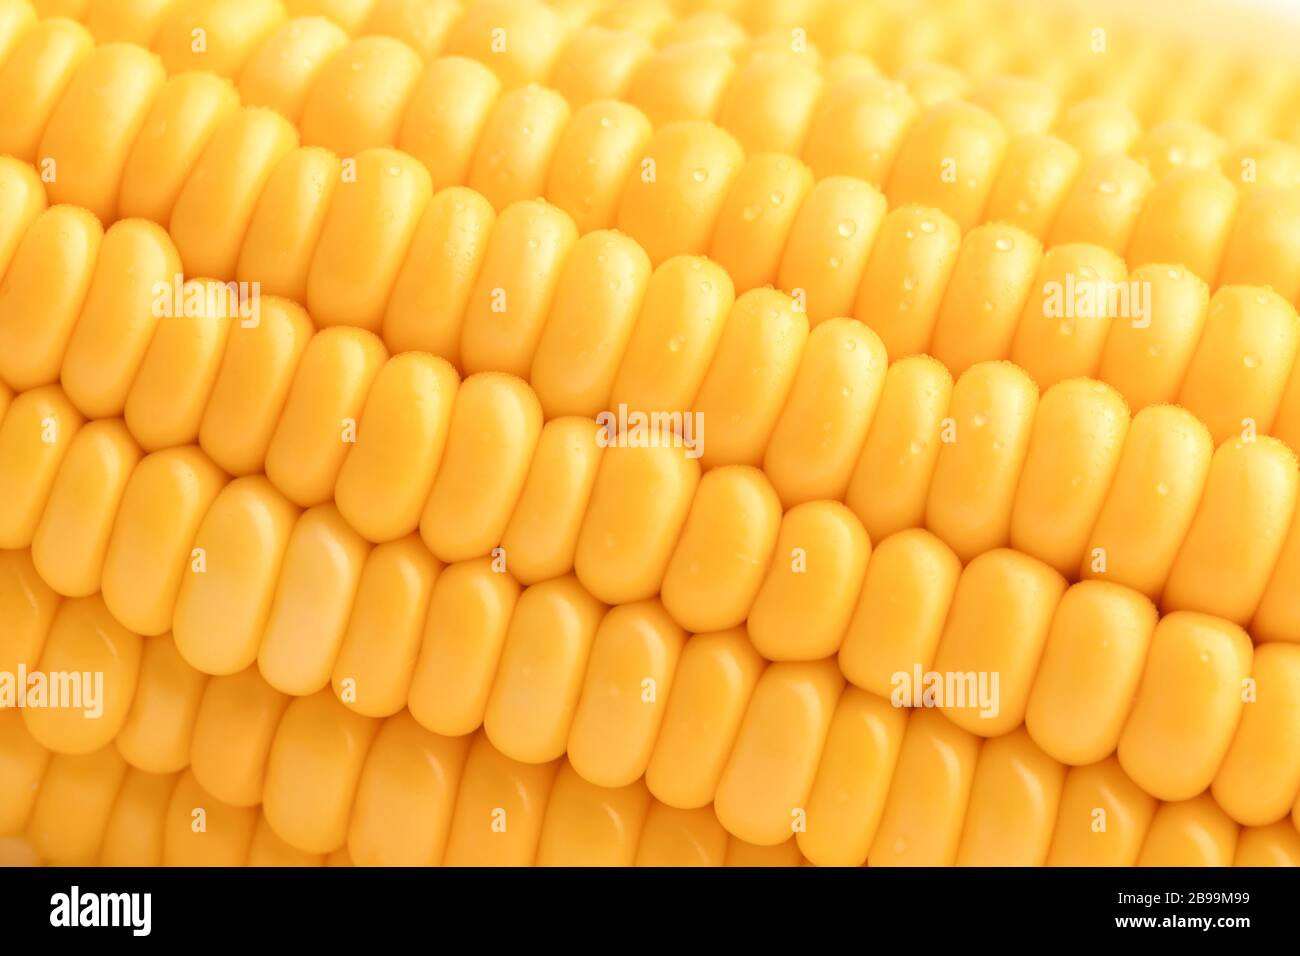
834	262
1250	360
1107	187
676	343
1005	244
916	447
909	283
752	212
847	228
777	198
980	420
706	286
927	225
1162	489
700	175
534	243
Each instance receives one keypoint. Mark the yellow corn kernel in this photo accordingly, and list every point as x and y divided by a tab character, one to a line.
230	31
389	472
319	421
229	580
469	614
597	150
90	133
423	26
405	796
922	821
1186	219
85	640
541	538
1103	820
757	218
34	77
984	439
521	41
715	678
1074	450
313	771
118	319
493	430
859	127
23	761
848	795
1260	776
73	806
71	540
1065	321
995	632
638	507
671	204
762	796
806	600
165	405
27	606
752	373
287	222
1091	665
991	287
538	683
515	287
376	659
1187	705
1146	356
590	825
517	145
432	289
1238	374
157	733
770	104
628	682
317	582
1178	144
358	97
445	117
43	292
829	246
1099	127
908	589
134	833
233	733
281	73
252	386
201	830
1193	832
267	849
1264	246
1152	501
903	286
676	334
1014	799
600	63
597	299
673	837
22	200
371	222
499	809
949	160
1277	844
1037	175
1237	535
719	563
215	206
684	81
35	437
1024	106
825	420
891	480
1103	207
188	112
